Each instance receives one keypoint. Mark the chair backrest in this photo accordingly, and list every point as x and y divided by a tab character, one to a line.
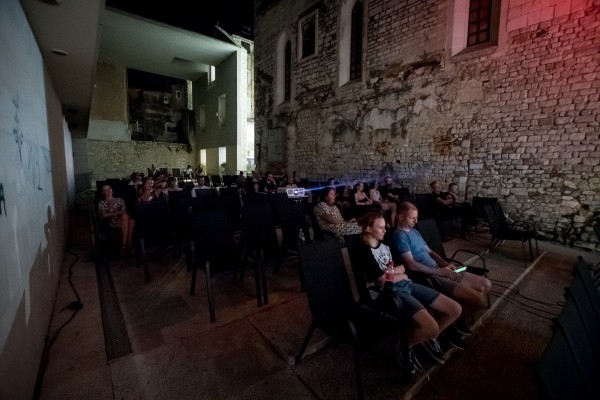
500	216
254	199
293	220
232	204
352	241
423	202
429	230
205	199
586	311
317	231
227	180
327	283
583	281
580	343
213	238
492	220
557	371
215	180
152	222
259	230
477	204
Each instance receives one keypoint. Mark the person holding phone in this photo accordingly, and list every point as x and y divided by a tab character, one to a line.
409	247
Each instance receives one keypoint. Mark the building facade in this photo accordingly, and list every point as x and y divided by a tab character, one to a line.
500	96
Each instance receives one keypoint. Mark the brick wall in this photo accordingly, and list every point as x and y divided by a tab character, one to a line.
127	157
518	121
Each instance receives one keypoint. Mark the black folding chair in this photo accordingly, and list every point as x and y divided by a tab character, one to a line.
557	373
152	228
215	253
334	309
502	230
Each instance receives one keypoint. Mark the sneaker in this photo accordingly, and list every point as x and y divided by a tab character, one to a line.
454	339
435	351
462	328
405	358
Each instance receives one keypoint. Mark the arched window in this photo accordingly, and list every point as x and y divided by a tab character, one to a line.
288	72
352	37
283	70
356	37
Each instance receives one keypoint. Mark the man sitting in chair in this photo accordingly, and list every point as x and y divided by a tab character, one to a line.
376	260
447	207
408	246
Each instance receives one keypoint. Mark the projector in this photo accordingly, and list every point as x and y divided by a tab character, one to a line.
295	192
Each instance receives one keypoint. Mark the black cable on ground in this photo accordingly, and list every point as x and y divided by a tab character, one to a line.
527	307
49	342
515	289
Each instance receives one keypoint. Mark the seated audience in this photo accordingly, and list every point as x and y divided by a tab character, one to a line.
188	172
378	266
241	180
409	247
291	183
446	207
330	218
361	201
201	184
136	179
387	190
386	204
153	171
150	192
173	184
268	184
113	210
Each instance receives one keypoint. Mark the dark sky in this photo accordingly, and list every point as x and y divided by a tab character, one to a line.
235	16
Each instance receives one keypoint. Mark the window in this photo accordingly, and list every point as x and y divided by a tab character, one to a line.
356	41
308	38
284	89
221	114
288	72
165	100
178	94
212	75
307	35
352	35
480	13
202	118
476	25
276	137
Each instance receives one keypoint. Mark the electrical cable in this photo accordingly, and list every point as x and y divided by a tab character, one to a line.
515	289
527	307
49	342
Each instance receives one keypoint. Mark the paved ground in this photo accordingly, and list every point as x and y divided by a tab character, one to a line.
248	352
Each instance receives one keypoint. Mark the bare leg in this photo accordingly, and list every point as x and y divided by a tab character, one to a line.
424	328
447	309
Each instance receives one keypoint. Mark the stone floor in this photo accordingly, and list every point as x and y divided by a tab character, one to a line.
248	353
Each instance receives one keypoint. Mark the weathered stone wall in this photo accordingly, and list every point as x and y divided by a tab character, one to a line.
109	159
518	121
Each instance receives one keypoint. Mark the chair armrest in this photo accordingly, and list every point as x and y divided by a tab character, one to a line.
523	226
470	268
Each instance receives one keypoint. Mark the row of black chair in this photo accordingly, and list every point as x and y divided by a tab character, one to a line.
569	367
222	237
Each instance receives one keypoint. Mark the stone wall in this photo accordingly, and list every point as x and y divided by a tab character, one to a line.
518	121
110	159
